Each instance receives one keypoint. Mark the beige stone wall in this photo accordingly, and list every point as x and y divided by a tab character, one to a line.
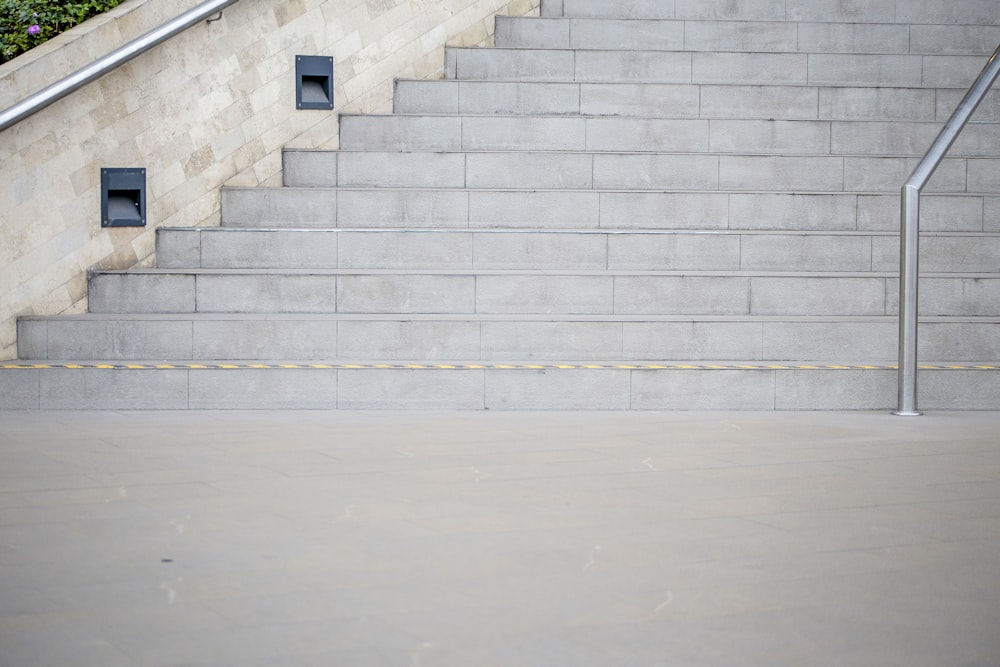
213	106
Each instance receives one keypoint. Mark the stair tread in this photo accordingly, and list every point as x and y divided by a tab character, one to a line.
593	231
504	364
492	151
692	84
736	100
541	272
603	117
781	34
490	317
524	190
730	50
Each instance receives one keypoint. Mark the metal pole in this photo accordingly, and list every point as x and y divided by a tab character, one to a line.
909	255
910	233
102	66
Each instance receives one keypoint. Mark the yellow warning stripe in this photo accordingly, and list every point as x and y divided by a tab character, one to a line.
461	367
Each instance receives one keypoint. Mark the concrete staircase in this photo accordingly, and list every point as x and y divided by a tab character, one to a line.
640	204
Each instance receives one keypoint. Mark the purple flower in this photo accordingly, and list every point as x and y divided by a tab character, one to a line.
34	29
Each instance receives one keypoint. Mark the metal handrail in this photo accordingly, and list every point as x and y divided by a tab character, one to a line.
910	233
98	68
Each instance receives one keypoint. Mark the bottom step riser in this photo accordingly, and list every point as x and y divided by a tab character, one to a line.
461	341
487	389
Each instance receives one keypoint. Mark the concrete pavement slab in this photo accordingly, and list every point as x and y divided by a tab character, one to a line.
478	538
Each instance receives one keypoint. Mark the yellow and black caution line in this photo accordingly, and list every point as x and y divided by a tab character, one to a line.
475	367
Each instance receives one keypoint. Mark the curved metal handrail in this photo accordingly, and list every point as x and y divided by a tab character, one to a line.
98	68
910	233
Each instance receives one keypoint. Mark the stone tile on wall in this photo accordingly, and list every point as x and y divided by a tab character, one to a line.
991	214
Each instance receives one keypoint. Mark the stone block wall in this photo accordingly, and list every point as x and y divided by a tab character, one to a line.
213	106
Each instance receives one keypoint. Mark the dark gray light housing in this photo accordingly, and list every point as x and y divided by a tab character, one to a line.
313	82
123	197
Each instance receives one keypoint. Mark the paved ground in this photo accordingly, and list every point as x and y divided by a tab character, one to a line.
484	539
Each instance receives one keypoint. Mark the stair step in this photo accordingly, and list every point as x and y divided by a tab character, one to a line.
475	338
222	248
780	36
629	171
828	69
970	12
681	386
506	292
689	100
556	209
656	135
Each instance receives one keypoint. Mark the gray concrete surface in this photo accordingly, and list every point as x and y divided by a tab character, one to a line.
485	539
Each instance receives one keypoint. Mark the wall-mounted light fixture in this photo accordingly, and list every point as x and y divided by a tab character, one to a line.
313	82
123	197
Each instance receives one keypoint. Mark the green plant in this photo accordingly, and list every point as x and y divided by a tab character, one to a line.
25	24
